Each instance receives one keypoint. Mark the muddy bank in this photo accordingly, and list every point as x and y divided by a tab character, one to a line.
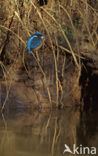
30	88
38	85
89	84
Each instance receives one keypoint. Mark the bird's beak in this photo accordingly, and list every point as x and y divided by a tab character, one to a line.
45	35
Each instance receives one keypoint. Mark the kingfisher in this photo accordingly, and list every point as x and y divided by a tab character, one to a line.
35	41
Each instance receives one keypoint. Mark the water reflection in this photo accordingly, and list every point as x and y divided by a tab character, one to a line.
26	133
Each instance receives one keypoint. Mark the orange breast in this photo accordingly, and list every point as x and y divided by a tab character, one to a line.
36	49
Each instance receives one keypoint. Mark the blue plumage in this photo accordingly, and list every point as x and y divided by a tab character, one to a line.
35	41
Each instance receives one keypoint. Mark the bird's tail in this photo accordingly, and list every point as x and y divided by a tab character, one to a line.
29	51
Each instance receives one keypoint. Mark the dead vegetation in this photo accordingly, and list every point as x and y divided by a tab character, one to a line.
71	28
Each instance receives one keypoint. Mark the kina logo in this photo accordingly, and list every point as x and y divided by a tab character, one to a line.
79	150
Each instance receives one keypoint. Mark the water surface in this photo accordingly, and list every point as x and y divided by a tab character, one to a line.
44	133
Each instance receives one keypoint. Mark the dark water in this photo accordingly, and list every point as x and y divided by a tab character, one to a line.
34	133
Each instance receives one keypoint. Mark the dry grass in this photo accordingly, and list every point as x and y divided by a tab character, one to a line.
68	25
